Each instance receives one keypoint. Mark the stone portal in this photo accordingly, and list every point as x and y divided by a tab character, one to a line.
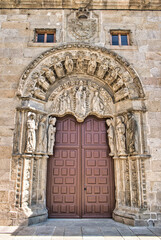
80	80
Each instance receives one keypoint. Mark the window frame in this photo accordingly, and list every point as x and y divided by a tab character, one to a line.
119	33
45	32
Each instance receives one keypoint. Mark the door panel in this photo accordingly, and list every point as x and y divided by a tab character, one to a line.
96	201
63	194
80	173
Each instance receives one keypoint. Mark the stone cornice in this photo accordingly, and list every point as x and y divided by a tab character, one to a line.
75	4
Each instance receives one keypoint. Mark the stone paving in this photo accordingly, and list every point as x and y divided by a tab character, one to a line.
80	229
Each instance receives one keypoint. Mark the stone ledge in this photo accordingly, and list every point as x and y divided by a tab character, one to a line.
36	44
124	48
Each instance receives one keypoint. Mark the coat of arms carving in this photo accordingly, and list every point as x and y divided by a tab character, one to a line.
82	26
83	29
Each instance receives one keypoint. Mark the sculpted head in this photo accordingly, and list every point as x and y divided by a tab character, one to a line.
31	116
52	121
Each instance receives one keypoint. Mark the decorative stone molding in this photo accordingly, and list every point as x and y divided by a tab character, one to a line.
111	70
75	4
80	80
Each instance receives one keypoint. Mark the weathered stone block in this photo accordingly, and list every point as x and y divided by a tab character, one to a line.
3	196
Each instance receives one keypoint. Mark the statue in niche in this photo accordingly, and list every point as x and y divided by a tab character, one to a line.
120	134
39	93
65	102
50	76
59	69
97	103
80	96
51	135
132	134
113	75
69	64
31	133
42	138
80	62
43	83
110	133
103	68
92	65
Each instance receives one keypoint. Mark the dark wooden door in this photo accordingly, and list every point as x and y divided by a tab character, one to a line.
80	173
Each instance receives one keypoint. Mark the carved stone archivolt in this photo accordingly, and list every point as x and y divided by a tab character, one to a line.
111	71
80	80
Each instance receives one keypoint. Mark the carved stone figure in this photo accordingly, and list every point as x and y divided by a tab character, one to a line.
42	138
113	75
92	65
118	84
120	134
64	102
31	133
50	76
69	64
51	135
110	133
97	103
80	96
132	134
39	93
59	69
80	62
43	83
103	68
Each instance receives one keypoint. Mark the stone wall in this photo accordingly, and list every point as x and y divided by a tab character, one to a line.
17	50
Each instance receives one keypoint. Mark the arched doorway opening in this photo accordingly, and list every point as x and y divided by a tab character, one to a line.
80	173
80	80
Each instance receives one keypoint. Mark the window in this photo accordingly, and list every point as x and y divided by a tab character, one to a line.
120	38
45	36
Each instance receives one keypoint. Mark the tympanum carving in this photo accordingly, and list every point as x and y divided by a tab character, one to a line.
81	98
97	103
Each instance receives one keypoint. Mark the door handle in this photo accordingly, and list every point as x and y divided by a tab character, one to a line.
85	188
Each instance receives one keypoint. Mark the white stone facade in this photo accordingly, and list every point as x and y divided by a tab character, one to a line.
139	96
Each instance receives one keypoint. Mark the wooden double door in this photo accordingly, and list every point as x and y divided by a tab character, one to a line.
80	180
